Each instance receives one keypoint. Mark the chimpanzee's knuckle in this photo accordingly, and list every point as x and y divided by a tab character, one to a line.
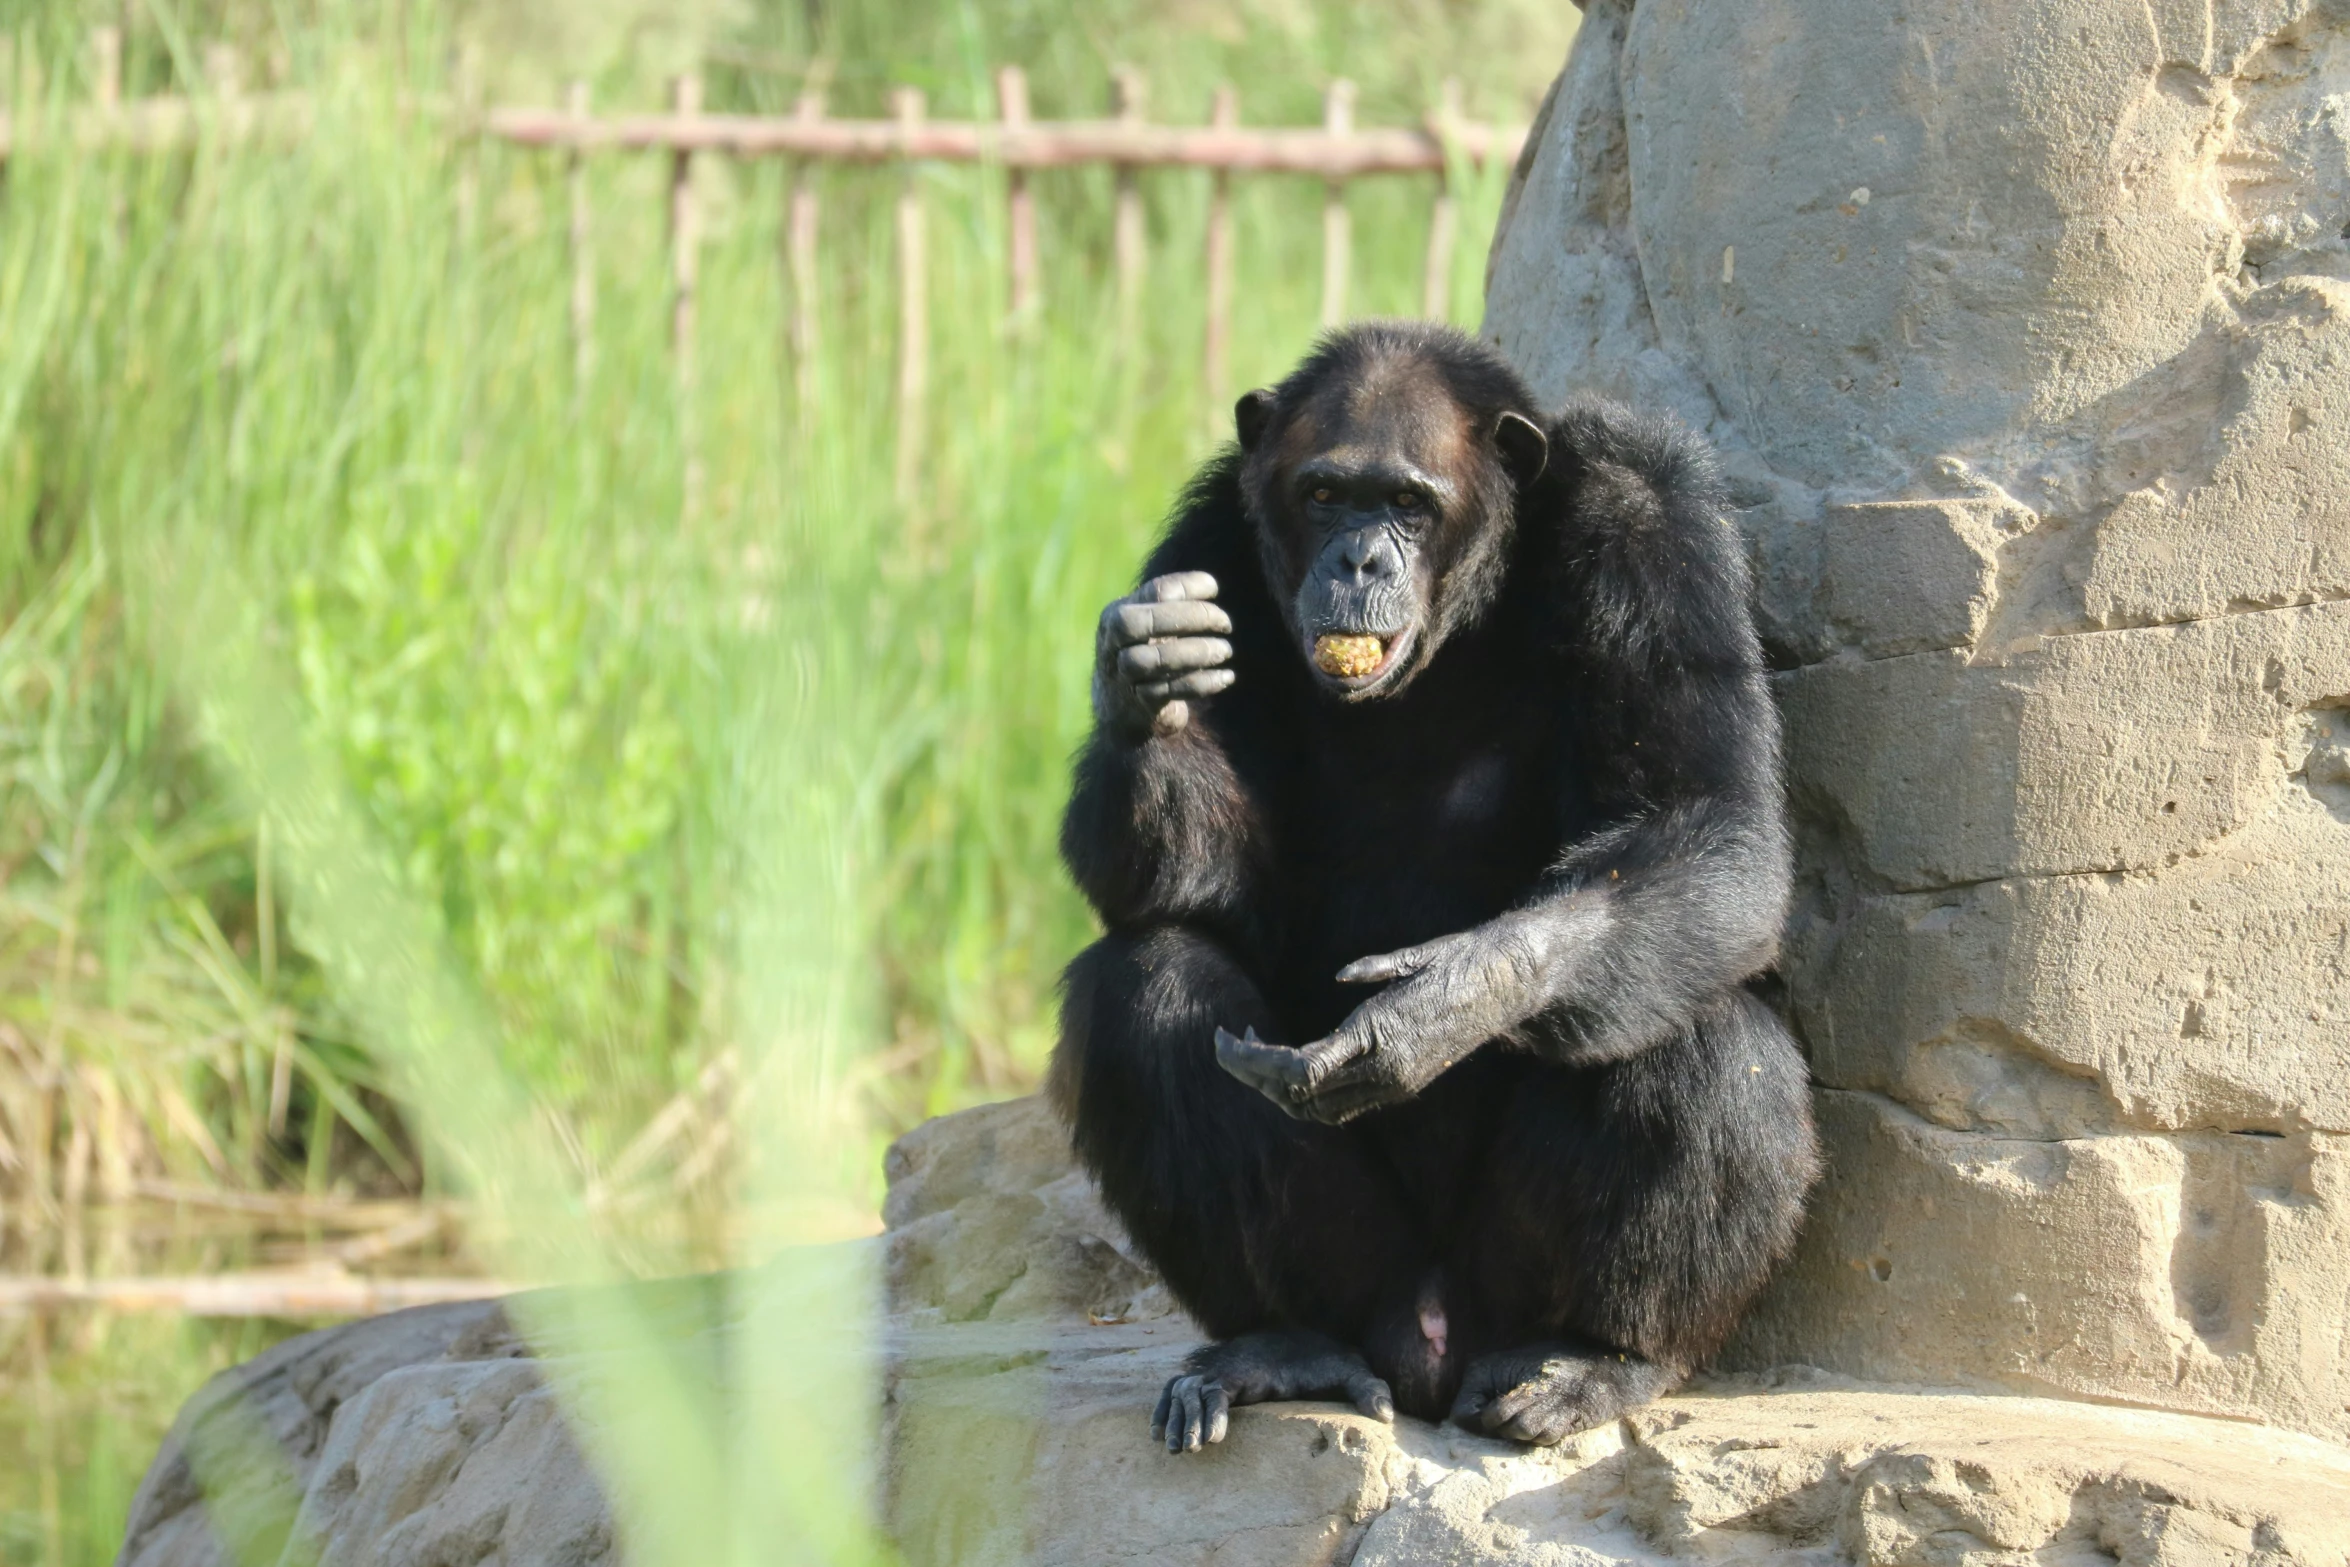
1385	1034
1505	964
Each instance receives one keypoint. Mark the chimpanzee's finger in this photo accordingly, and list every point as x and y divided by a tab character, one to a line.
1128	621
1159	1410
1175	1393
1173	656
1327	1062
1476	1388
1337	1106
1401	964
1178	585
1193	1417
1204	682
1513	1402
1219	1411
1272	1070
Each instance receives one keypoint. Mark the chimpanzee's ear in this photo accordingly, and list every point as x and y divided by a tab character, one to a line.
1524	448
1250	416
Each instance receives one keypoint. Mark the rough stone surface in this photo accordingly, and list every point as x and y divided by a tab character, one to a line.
1016	1434
2024	326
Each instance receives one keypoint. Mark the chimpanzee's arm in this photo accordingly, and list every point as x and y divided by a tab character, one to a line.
1683	889
1678	738
1160	826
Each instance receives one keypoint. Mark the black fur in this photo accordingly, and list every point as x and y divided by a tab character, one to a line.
1583	773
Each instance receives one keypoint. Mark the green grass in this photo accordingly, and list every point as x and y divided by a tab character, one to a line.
404	792
310	366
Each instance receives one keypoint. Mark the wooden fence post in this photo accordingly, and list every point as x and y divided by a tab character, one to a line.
1338	119
583	263
913	304
1128	94
1011	89
224	72
685	103
106	96
800	260
465	80
1215	368
1443	219
106	68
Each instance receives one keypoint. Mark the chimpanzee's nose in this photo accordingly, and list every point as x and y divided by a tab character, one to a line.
1369	554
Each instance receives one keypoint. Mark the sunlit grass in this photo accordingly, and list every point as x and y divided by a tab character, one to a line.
406	791
479	585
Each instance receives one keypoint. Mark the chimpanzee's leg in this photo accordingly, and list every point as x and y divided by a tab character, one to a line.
1283	1231
1630	1212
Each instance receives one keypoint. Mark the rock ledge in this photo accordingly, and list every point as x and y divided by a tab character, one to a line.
1015	1433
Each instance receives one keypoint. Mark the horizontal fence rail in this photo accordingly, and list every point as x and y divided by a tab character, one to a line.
162	124
1040	144
1127	141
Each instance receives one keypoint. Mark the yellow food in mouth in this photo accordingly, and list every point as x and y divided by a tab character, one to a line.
1348	656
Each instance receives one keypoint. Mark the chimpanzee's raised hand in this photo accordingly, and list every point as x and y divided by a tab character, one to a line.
1448	997
1160	644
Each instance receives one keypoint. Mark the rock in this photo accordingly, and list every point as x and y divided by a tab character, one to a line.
290	1396
2024	328
1743	1468
1016	1433
988	1218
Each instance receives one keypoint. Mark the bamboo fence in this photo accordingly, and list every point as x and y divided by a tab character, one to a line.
1127	141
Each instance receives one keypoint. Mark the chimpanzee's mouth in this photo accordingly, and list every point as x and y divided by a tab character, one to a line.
1358	662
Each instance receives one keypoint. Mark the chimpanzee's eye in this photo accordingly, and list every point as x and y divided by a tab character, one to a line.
1322	494
1407	499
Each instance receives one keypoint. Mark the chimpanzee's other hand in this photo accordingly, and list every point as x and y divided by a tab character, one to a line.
1158	646
1444	999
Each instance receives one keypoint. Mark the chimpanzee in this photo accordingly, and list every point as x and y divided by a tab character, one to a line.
1436	746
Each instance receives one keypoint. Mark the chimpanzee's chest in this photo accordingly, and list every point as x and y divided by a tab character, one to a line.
1408	830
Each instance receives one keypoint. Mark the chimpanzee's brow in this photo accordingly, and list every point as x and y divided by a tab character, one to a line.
1383	468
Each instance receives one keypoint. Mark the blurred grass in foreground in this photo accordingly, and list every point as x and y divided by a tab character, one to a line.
403	794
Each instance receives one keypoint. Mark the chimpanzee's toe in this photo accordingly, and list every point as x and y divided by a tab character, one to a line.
1545	1393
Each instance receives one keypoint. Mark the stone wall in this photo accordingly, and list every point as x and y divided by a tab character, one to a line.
2024	327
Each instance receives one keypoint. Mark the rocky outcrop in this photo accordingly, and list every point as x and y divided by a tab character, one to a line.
1025	1347
2025	328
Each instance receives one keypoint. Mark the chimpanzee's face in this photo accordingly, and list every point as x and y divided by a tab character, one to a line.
1376	502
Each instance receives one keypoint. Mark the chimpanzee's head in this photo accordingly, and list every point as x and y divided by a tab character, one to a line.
1382	477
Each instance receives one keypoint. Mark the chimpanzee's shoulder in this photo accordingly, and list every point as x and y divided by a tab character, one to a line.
1636	469
1642	550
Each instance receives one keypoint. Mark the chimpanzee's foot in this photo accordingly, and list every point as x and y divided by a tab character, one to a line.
1261	1368
1545	1393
